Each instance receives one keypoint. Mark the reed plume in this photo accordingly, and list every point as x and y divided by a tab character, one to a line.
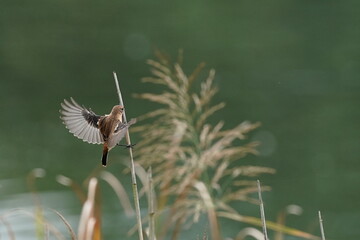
196	166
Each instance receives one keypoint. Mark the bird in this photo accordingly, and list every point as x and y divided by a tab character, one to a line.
84	124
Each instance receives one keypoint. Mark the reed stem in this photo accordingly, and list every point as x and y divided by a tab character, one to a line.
321	227
132	166
151	206
262	211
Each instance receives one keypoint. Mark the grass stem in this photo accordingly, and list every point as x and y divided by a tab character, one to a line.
321	227
151	206
132	166
262	211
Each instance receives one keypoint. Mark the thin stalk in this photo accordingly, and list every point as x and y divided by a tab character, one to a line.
132	166
321	227
39	219
151	207
262	211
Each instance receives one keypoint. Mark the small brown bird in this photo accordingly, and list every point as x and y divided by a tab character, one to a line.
93	128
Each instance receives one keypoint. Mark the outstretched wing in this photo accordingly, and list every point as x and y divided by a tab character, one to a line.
119	133
81	122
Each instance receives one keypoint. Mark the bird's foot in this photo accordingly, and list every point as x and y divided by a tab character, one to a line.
127	145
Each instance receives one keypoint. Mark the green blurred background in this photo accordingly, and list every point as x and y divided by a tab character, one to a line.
293	65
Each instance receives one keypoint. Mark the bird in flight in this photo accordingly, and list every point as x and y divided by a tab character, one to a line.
96	129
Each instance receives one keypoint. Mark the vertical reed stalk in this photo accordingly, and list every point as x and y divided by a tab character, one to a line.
321	227
262	211
151	206
132	166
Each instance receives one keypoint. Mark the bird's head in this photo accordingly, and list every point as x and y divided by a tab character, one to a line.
117	110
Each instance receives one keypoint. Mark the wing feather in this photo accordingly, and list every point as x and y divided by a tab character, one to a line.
94	139
85	132
81	130
67	108
88	133
76	129
81	122
91	135
98	136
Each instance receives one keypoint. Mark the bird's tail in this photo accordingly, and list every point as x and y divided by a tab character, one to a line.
104	156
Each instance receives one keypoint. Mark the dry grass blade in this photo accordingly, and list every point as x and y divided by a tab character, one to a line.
68	182
10	232
120	192
89	225
47	227
253	232
67	224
